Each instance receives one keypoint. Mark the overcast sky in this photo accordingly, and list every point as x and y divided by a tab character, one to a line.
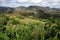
15	3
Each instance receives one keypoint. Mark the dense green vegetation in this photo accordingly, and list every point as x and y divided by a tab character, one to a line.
17	27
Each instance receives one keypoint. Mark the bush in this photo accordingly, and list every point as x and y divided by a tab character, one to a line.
17	28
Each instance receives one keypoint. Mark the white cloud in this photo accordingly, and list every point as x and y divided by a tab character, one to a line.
35	1
21	0
2	1
51	3
53	0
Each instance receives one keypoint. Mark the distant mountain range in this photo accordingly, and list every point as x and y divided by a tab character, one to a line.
57	9
39	7
5	9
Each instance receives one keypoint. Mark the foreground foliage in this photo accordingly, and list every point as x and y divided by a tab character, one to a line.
17	27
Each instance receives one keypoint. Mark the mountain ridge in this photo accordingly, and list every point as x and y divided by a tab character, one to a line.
4	9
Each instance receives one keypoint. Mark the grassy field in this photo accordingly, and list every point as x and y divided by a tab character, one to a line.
17	27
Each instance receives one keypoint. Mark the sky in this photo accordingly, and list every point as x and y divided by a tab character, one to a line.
16	3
